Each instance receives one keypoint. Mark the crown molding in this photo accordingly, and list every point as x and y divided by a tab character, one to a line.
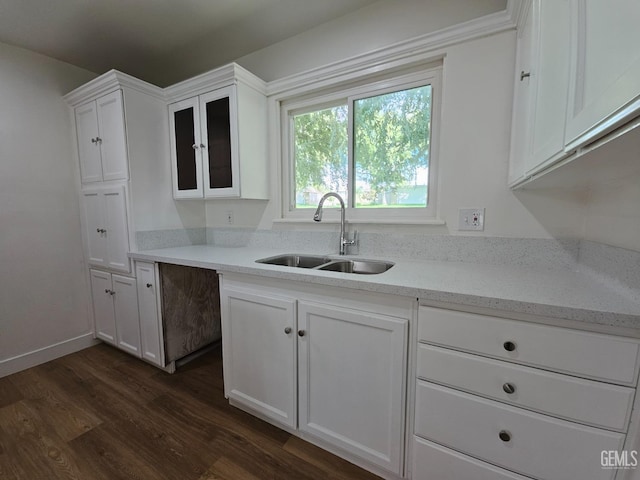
423	48
108	82
220	77
519	11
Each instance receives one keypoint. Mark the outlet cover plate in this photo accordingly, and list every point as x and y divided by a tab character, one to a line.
471	219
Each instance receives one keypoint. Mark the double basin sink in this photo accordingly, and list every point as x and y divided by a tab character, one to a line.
317	262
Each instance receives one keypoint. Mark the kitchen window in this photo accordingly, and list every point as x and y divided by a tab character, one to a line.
373	144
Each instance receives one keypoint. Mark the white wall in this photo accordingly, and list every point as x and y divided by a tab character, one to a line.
370	28
43	293
613	212
474	141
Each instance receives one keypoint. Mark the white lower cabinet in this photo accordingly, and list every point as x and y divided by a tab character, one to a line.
350	380
435	462
259	348
115	308
506	399
346	363
541	446
150	311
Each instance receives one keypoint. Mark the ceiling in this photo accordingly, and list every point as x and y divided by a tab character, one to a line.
150	38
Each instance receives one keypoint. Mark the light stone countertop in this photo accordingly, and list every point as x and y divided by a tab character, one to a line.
558	293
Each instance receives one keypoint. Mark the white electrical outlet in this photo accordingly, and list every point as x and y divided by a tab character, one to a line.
471	219
229	215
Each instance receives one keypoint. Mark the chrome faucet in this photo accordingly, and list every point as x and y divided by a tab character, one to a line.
343	237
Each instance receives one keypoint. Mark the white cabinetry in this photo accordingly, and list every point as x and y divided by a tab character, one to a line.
219	137
115	308
106	229
346	363
605	69
577	88
102	144
259	345
541	85
150	313
524	398
351	368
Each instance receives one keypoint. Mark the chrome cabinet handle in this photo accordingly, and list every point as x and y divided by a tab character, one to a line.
509	388
524	75
301	333
505	436
509	346
101	230
202	145
110	292
98	140
94	140
194	146
287	330
149	285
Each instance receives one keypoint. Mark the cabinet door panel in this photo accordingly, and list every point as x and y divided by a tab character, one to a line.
218	112
88	147
93	211
186	156
519	156
551	80
606	68
113	140
150	331
126	310
117	231
352	367
103	311
259	355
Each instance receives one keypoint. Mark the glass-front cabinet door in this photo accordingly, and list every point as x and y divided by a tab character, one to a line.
186	145
219	121
204	145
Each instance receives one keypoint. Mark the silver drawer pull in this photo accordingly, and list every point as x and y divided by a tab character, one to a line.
301	333
509	388
287	330
509	346
505	436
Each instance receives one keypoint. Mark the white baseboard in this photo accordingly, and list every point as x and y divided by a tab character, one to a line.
46	354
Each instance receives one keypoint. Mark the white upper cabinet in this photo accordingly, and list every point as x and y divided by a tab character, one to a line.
102	143
541	85
577	80
219	137
605	69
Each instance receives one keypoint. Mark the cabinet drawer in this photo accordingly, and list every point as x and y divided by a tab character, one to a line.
592	355
595	403
435	462
537	445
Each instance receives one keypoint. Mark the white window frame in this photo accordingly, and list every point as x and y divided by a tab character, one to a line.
347	95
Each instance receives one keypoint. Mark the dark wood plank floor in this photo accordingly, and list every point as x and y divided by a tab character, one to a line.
101	414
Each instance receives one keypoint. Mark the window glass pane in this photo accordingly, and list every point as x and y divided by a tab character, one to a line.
320	155
185	153
219	143
391	149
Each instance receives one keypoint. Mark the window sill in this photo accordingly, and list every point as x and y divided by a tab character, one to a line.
381	221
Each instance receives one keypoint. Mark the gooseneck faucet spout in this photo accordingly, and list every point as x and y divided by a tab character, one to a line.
343	238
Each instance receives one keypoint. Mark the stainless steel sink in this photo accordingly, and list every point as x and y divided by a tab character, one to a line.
292	260
361	267
318	262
